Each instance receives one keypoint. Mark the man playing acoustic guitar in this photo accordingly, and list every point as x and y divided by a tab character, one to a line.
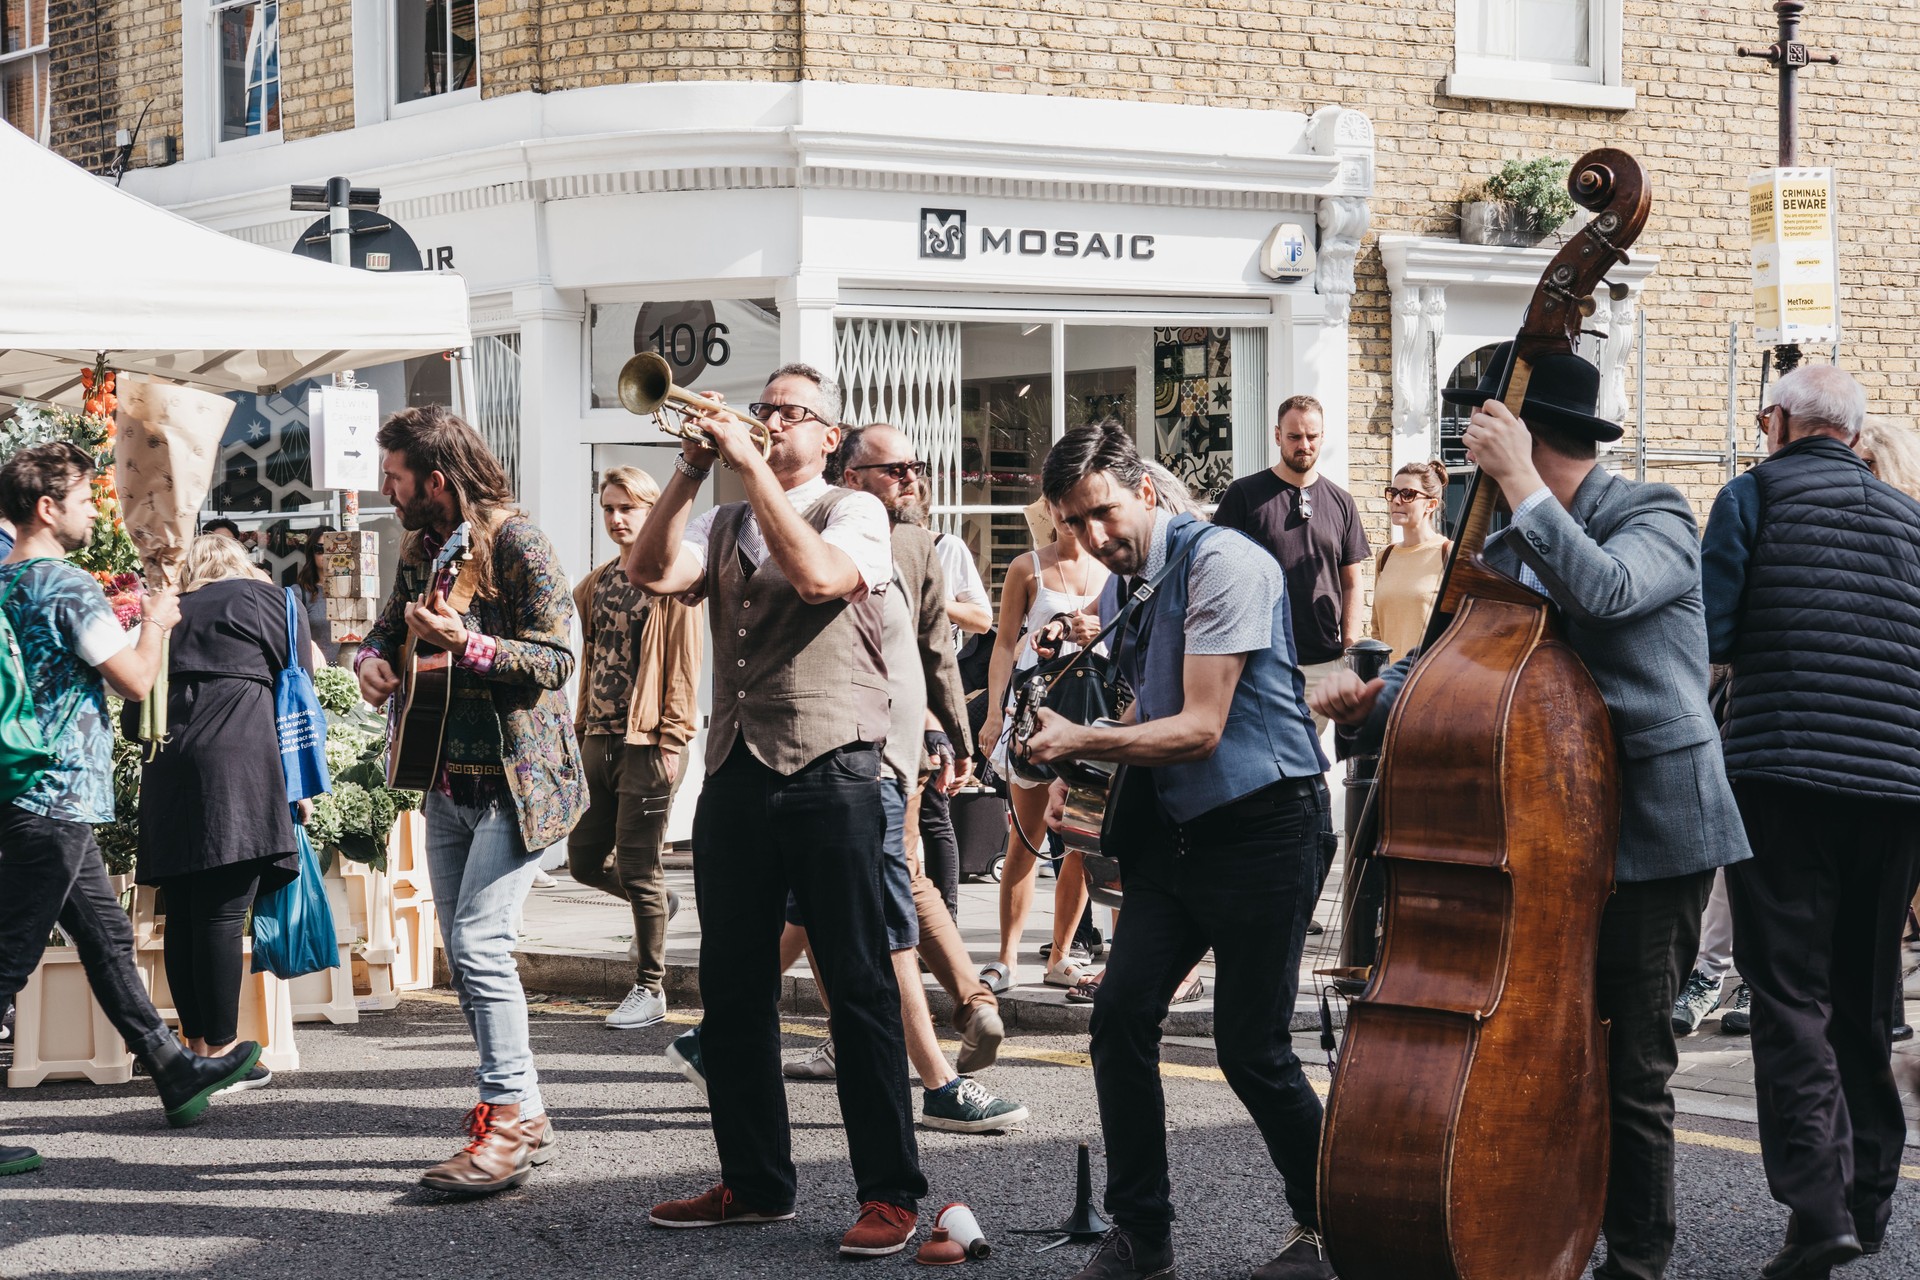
1224	815
511	782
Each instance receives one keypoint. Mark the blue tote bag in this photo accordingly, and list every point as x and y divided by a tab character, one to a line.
293	925
302	723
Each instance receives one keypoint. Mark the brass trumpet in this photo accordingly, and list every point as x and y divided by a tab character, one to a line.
646	388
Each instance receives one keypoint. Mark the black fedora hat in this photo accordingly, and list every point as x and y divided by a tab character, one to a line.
1563	391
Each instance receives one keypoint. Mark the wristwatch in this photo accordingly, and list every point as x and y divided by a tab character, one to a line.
691	472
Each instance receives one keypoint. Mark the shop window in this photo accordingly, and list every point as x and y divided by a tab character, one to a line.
23	66
1555	51
247	67
726	345
435	48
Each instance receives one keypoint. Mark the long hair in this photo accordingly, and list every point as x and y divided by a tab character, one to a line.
433	438
1893	451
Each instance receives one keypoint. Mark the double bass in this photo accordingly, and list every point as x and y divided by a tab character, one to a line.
1466	1128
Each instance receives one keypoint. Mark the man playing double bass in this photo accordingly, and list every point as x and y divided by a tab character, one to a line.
1622	562
1225	815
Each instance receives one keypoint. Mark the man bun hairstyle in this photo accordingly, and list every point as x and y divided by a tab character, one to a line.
1084	450
44	471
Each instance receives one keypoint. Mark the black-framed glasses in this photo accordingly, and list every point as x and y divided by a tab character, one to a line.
1404	495
1306	504
895	471
790	414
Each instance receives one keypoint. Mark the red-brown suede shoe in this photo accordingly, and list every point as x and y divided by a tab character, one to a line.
540	1139
712	1208
498	1156
882	1229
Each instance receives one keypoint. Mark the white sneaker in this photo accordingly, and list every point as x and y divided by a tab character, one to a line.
817	1065
541	880
643	1007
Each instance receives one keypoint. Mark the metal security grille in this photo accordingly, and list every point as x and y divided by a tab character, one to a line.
496	379
907	372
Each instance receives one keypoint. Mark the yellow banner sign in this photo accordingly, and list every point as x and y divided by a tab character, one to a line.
1791	217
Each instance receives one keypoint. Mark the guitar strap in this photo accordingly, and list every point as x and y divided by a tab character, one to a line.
461	597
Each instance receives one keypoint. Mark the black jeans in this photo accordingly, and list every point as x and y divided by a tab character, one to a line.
1241	880
206	914
820	833
940	844
1649	934
51	873
1817	916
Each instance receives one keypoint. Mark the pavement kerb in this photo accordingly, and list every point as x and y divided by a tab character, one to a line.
1035	1011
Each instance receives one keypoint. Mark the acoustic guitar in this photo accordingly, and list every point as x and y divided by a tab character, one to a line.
417	712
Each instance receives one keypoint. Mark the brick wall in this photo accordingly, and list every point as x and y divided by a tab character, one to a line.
316	67
107	59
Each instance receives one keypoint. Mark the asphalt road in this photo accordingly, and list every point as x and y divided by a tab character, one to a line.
315	1176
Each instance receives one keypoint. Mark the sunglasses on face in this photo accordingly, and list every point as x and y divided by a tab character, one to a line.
790	414
895	471
1403	495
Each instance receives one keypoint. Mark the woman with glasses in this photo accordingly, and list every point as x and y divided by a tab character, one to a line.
1406	574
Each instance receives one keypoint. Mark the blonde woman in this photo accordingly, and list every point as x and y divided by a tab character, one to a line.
1891	452
1058	578
214	823
1406	573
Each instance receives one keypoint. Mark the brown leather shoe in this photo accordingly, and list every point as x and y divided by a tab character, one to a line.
498	1157
539	1131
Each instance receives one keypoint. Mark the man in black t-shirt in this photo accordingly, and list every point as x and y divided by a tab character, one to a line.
1312	528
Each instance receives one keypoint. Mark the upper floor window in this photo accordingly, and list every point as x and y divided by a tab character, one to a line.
435	49
23	66
247	67
1565	52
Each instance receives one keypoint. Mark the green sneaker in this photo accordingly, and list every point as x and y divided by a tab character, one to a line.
18	1160
684	1053
965	1107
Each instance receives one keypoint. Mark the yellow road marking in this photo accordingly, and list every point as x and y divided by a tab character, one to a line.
1069	1058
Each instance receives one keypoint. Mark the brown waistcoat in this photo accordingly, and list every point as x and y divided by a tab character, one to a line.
795	680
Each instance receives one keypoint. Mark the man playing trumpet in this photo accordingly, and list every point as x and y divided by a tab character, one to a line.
794	576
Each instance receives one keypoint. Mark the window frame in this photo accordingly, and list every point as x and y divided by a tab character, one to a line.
389	61
37	58
214	104
1598	84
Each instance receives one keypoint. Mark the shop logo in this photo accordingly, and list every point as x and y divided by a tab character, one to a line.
943	233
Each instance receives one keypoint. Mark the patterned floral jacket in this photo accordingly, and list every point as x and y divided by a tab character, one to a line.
530	625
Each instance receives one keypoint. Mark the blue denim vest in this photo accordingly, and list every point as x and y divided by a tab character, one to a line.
1269	733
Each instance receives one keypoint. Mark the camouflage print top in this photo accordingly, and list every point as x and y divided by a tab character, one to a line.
618	615
518	660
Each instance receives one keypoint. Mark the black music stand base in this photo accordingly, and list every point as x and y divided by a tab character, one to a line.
1084	1222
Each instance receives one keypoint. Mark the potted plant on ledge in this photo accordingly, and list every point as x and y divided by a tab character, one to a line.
1520	205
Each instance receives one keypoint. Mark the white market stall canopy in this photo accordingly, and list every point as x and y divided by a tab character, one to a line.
87	269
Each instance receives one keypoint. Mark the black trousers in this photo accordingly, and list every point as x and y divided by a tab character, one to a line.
1817	916
1649	934
940	844
820	833
51	873
206	915
1241	880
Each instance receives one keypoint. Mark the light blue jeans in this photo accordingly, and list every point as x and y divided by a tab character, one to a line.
481	873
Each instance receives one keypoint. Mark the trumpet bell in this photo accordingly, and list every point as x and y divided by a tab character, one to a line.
645	379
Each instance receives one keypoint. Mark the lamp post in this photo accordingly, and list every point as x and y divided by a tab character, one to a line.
1789	57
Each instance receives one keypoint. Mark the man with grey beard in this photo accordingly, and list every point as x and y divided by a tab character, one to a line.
925	684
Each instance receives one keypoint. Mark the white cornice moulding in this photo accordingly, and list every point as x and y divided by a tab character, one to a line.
1552	93
584	142
1415	261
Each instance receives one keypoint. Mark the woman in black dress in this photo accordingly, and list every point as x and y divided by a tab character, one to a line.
214	822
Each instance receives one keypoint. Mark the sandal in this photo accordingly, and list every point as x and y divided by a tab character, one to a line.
1084	990
1191	991
1067	975
997	978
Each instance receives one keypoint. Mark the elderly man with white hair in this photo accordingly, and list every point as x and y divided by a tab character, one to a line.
1811	572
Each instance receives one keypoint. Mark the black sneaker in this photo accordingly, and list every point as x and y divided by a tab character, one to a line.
1738	1019
6	1024
1303	1256
1121	1256
968	1108
684	1053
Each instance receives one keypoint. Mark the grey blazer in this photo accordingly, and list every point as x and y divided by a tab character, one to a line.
1624	567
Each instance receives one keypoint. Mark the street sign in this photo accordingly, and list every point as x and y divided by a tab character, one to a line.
379	243
343	422
1795	256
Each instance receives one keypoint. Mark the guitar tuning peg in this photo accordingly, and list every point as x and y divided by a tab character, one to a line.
1588	306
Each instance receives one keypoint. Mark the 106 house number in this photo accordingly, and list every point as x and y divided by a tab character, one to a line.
685	348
